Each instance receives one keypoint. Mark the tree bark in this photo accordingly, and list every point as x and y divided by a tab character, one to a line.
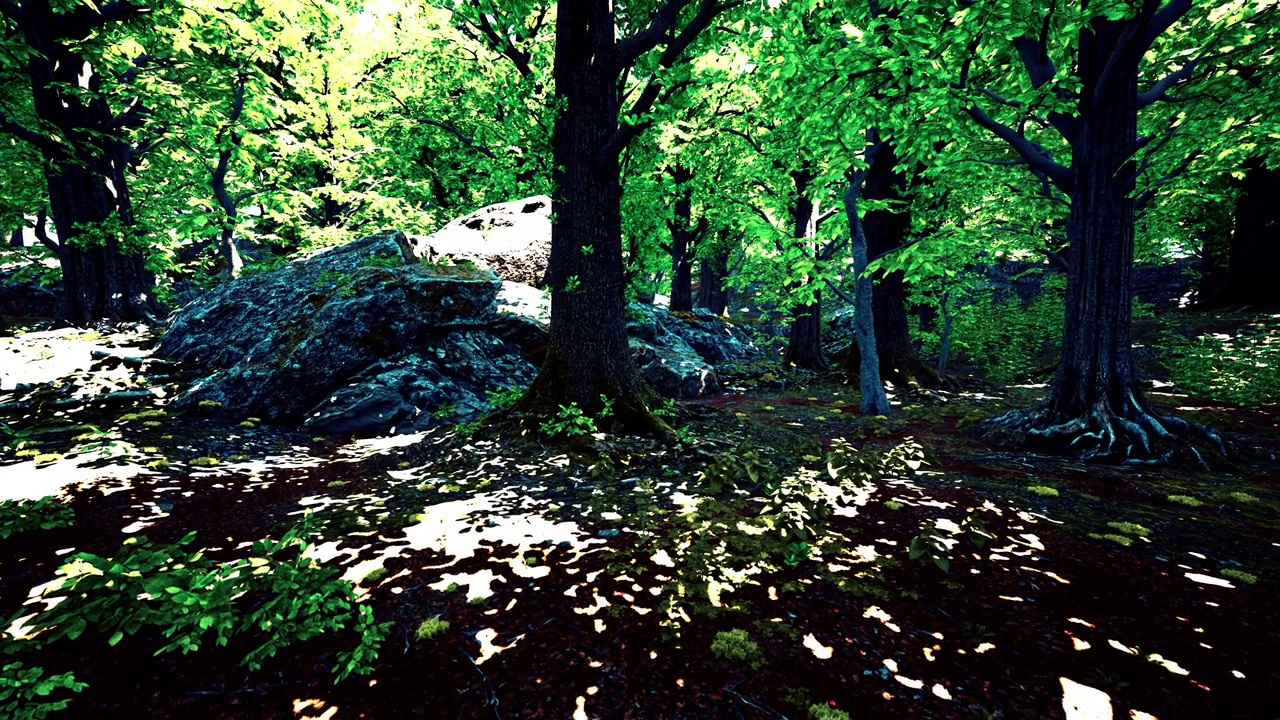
1253	264
1094	404
713	295
804	350
588	354
683	236
101	252
886	230
871	386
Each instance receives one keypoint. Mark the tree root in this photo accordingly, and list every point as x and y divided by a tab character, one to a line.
1138	436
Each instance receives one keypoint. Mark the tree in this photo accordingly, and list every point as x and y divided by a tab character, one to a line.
86	154
1112	62
588	355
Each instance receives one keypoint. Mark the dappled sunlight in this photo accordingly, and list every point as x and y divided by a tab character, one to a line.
33	479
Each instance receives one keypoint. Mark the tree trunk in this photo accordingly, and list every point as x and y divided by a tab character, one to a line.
102	255
885	231
874	401
588	353
804	350
1094	403
682	236
714	271
805	347
1253	265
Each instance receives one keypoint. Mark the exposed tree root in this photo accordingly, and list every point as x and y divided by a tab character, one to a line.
1136	435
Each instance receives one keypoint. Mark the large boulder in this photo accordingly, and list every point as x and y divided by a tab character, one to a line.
513	239
350	340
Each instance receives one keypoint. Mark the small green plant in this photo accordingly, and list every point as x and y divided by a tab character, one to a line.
1185	500
374	576
278	594
431	628
1122	540
209	404
893	505
1240	368
467	429
505	398
383	259
1129	528
569	422
666	410
1043	491
25	691
205	462
445	411
47	513
737	645
1242	576
684	436
1243	497
572	284
818	711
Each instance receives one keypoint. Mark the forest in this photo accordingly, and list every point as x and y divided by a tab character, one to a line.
816	359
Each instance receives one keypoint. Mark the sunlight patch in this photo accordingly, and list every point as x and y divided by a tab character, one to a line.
820	651
1081	702
940	692
1209	580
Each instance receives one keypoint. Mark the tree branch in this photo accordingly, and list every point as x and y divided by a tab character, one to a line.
1033	153
630	49
1140	203
1160	90
1164	19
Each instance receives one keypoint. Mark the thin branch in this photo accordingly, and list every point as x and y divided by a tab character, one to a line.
1164	19
1033	153
1140	203
630	49
1160	90
27	135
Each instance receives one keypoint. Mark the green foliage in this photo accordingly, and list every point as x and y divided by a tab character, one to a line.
737	470
1043	491
934	545
278	594
431	628
1185	500
506	397
47	513
819	711
1242	576
737	645
1129	528
1243	368
572	421
25	691
383	259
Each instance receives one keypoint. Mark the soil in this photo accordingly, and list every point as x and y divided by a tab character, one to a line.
615	563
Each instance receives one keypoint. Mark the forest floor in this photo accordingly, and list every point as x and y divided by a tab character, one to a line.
608	578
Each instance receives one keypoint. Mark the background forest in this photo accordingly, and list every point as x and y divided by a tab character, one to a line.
986	226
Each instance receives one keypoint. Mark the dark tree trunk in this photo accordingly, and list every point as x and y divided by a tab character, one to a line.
15	239
714	271
102	255
886	230
588	354
1253	265
804	350
1094	404
871	386
682	239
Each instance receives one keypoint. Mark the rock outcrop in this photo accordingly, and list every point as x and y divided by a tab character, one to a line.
355	341
512	239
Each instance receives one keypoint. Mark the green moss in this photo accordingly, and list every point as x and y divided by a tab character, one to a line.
205	462
1043	491
818	711
1129	528
247	424
737	645
453	587
336	484
1185	500
209	404
431	628
1117	539
894	505
1242	576
1243	497
374	576
158	464
45	458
